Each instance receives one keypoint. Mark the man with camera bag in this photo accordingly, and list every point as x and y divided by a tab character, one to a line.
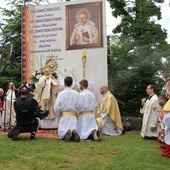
26	108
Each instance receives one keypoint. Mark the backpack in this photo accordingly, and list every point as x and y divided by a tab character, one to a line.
127	125
24	111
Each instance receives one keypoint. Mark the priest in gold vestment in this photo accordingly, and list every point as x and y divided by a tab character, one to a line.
47	88
109	118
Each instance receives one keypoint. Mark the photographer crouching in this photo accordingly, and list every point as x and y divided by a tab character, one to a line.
27	111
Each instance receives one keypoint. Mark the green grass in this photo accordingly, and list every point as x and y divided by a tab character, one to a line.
125	152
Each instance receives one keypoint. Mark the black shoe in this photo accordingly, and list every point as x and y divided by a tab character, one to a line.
99	134
67	136
123	132
94	134
32	135
75	136
150	138
16	134
10	134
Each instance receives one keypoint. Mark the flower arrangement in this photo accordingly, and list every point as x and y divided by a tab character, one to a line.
36	75
51	64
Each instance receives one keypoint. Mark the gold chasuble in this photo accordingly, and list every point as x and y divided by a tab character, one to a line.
110	106
166	108
47	88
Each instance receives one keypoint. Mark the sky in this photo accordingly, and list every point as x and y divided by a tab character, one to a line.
112	22
165	22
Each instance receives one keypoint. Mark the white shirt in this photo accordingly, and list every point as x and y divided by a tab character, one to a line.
87	101
67	100
87	122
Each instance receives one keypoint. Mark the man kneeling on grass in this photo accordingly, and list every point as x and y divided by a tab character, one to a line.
26	114
66	108
87	127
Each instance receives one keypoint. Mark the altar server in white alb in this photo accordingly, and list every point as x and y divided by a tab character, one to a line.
66	108
149	125
87	127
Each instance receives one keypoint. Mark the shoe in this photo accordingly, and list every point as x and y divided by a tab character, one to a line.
10	134
32	135
150	138
123	132
15	136
94	134
75	136
67	136
99	134
163	146
166	153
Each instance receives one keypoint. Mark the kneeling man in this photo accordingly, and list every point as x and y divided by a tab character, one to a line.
66	108
87	127
26	119
109	118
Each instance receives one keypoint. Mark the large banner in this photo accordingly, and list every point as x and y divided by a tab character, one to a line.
68	37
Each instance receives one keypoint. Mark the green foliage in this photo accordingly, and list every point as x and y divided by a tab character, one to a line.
10	62
136	56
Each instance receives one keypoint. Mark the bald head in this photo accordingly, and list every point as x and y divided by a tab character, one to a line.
103	89
1	92
24	91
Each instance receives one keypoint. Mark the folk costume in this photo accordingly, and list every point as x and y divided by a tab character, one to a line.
166	120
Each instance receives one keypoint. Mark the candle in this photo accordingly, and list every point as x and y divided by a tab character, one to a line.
84	55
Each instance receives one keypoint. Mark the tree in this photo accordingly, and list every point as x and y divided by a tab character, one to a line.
10	46
136	55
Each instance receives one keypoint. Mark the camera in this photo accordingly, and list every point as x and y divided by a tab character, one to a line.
40	113
26	86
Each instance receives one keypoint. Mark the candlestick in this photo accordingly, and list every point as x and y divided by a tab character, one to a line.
84	59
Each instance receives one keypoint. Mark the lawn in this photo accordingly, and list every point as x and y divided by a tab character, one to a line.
123	152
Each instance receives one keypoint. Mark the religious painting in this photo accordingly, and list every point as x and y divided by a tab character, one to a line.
84	26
